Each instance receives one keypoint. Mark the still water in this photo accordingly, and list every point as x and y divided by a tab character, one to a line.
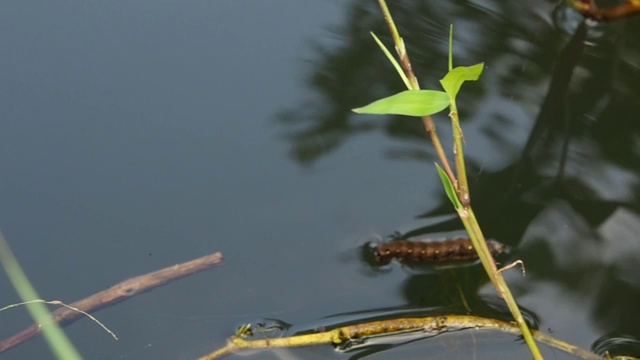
137	135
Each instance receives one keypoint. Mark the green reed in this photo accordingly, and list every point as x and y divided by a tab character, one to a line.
424	103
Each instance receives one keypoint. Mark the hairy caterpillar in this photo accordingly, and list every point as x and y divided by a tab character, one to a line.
457	249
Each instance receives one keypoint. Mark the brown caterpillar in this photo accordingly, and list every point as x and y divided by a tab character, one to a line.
458	249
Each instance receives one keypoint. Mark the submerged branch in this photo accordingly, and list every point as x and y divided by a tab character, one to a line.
424	326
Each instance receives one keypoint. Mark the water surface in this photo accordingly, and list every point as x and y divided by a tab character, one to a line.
140	135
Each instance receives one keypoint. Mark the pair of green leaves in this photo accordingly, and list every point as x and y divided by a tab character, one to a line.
424	102
428	102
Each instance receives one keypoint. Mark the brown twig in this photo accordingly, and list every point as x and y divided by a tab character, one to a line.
589	10
117	293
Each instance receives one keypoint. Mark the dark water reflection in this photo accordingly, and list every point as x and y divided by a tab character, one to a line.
565	194
139	136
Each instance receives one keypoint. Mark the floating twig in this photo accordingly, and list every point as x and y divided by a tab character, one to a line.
117	293
424	326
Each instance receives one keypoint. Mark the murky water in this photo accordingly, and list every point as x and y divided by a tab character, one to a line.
139	135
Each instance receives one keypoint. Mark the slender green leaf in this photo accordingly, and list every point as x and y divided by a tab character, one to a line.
409	102
452	82
393	61
59	343
449	188
450	47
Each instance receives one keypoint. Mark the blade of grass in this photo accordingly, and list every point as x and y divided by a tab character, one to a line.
59	343
450	47
393	61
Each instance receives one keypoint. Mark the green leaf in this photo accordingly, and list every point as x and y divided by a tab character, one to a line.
392	60
450	47
448	188
409	102
59	343
452	82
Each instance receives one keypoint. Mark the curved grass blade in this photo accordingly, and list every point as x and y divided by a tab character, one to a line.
392	60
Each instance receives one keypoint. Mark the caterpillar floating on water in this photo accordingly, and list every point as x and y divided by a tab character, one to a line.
426	252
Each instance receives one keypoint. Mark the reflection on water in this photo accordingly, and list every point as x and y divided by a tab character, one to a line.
139	133
616	346
552	126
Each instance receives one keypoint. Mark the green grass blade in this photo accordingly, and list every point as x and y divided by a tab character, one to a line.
450	47
59	343
393	61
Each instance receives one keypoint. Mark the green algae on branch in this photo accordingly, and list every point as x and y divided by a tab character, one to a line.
346	336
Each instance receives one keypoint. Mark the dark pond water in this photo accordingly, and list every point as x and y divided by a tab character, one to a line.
137	135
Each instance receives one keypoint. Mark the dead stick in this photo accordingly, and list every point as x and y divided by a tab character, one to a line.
117	293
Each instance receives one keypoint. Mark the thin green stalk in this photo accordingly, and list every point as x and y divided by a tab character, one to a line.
400	48
461	186
470	222
450	47
53	334
458	153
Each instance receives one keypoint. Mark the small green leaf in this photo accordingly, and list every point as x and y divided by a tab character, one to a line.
448	188
452	82
409	102
392	60
450	47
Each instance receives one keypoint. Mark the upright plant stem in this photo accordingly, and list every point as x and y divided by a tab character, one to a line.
429	125
461	186
470	222
458	153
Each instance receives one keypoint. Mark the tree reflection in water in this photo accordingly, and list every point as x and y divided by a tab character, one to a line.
551	128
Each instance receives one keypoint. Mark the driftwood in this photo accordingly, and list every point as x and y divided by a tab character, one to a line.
117	293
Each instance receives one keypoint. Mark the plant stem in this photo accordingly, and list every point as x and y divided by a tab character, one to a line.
461	186
458	153
477	237
470	222
429	125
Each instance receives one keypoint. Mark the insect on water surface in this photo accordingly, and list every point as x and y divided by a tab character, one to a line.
441	251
